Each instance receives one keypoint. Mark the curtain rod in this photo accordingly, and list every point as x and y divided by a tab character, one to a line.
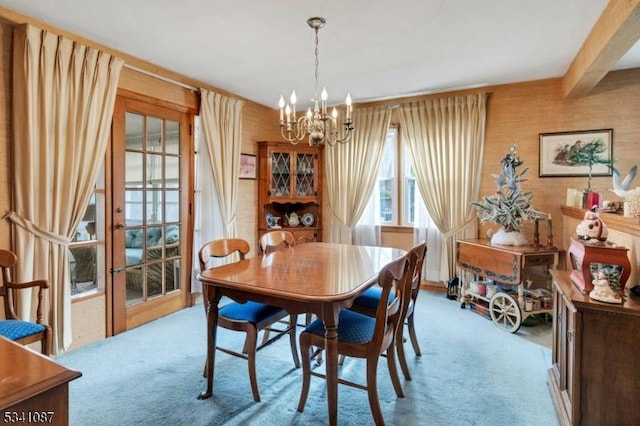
160	77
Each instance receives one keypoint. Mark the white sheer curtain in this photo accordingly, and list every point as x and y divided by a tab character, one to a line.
222	133
207	223
446	138
426	230
367	231
63	99
352	171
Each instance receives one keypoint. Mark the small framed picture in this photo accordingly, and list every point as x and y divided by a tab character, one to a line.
248	166
557	152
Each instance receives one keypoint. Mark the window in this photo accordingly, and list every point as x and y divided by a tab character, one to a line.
86	250
396	196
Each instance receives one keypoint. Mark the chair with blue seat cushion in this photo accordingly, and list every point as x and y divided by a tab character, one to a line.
275	240
250	317
367	302
362	336
13	328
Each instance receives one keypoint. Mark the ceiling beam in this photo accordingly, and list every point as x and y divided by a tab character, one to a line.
617	29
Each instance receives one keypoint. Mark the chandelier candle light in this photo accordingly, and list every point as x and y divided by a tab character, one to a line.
320	126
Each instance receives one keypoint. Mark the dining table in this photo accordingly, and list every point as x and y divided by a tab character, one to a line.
317	277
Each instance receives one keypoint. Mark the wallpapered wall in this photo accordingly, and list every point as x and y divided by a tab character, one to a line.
516	113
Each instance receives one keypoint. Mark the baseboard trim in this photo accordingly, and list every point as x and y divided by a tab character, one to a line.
433	286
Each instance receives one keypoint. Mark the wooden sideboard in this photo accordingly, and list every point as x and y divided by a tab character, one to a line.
34	389
595	373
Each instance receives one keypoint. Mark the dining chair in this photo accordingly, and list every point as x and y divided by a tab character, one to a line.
368	301
13	328
274	240
250	317
362	336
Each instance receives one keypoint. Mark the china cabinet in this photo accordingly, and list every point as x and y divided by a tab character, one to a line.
289	189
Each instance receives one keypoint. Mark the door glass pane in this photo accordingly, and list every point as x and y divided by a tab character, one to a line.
172	171
155	175
154	207
135	284
134	131
172	137
154	134
133	207
133	169
152	245
172	206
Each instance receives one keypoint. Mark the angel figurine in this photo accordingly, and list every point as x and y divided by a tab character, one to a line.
602	291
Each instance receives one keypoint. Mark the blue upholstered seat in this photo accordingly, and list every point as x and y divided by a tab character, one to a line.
249	317
371	297
252	312
352	328
16	329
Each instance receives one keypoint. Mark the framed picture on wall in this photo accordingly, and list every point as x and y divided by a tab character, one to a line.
247	166
558	152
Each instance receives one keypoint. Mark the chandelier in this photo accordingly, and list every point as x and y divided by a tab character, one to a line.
319	125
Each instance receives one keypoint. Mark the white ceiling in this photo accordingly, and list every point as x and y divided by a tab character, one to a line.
374	49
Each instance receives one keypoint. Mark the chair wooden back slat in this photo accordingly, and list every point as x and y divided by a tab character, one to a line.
222	248
274	240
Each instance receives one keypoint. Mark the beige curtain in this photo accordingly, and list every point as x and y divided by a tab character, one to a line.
446	139
63	99
222	133
352	169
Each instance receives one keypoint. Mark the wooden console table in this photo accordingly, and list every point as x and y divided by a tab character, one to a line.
33	388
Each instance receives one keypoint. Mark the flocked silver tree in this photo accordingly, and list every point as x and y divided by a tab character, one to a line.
510	206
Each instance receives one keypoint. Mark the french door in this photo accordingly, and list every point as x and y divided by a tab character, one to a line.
150	212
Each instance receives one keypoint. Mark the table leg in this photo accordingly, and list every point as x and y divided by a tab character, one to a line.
211	299
331	348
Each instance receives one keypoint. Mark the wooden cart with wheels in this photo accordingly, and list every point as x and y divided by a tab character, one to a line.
505	266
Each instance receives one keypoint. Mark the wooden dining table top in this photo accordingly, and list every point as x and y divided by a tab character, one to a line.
306	272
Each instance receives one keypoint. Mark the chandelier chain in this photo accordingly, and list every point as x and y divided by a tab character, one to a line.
317	67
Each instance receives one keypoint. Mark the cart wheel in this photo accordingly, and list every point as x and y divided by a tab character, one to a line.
505	312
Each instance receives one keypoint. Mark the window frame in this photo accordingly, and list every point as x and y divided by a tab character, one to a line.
400	187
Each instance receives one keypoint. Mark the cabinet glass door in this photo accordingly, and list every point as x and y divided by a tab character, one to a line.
280	174
305	174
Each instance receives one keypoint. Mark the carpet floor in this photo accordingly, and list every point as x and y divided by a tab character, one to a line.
470	373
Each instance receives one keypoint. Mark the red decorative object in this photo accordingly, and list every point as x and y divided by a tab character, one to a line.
591	198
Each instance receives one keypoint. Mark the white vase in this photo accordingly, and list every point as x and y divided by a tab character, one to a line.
504	238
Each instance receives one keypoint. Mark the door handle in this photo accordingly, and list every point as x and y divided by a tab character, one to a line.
116	270
121	225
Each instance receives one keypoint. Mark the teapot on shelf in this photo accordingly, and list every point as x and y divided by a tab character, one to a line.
293	219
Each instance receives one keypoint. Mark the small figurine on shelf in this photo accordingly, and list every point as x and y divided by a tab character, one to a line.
592	227
602	291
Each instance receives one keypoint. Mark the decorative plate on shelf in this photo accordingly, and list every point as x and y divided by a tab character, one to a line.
307	219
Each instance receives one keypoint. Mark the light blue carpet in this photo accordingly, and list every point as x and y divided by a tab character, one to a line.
470	373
